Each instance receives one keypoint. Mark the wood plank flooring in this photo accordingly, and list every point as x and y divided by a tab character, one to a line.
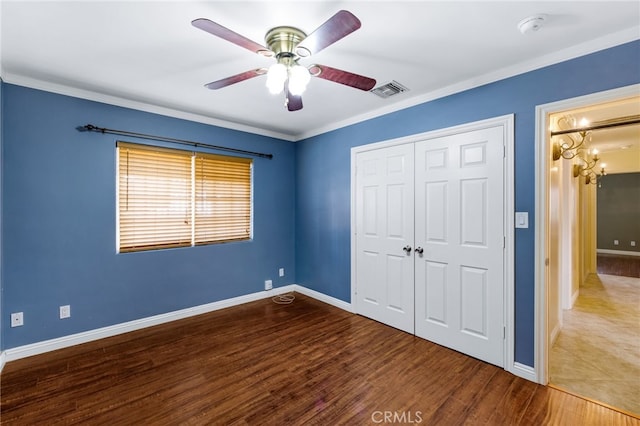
267	364
613	264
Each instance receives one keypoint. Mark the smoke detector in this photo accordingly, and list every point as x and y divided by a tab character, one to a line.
532	23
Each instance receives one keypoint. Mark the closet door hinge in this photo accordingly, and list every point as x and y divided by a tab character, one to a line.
504	332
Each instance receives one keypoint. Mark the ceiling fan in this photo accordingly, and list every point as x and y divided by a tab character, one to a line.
288	45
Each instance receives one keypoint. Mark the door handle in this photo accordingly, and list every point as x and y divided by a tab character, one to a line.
419	250
407	249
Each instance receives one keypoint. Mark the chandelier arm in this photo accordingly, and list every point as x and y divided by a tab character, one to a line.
575	146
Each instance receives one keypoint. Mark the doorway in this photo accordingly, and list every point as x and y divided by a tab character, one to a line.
582	345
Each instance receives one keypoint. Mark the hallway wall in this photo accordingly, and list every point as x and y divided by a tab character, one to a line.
619	212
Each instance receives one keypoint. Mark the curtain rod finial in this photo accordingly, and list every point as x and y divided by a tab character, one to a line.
87	128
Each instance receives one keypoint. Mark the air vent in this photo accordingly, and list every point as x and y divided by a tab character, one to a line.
389	89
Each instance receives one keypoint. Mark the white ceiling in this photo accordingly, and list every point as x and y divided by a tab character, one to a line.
147	55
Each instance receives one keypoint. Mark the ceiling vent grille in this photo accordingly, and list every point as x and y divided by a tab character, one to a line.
389	89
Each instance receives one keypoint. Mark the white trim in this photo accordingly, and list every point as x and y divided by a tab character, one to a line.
620	252
137	105
588	47
113	330
524	371
507	121
324	298
13	354
503	120
541	166
509	233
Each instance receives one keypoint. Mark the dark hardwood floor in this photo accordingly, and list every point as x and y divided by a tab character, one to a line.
268	364
613	264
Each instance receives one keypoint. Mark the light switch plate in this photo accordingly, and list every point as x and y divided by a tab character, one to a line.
65	311
522	219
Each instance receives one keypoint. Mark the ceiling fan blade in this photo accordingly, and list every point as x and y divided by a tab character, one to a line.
293	102
235	79
343	77
225	33
338	26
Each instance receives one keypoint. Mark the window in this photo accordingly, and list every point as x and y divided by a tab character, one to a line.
171	198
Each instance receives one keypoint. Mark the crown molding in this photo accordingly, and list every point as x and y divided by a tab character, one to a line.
91	95
588	47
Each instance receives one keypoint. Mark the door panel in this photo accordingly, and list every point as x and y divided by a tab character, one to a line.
435	300
460	225
473	301
384	226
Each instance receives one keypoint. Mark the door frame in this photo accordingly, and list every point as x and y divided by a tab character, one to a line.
507	123
542	165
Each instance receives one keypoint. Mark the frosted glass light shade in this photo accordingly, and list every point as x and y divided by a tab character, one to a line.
298	79
276	76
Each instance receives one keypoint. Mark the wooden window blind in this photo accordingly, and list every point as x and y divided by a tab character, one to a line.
171	198
222	198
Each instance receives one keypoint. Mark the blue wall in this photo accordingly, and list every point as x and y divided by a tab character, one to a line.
58	203
323	168
59	221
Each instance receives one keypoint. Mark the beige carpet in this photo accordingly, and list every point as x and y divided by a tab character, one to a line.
597	353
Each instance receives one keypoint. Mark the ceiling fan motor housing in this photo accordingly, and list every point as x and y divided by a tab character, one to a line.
282	41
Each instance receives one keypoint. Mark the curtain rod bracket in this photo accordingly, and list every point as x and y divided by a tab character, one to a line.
103	130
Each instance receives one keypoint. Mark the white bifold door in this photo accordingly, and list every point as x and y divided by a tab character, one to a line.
385	235
430	240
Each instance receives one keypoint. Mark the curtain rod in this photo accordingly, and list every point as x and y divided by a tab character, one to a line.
92	128
599	125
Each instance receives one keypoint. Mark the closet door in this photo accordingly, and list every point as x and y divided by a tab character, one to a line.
459	220
384	236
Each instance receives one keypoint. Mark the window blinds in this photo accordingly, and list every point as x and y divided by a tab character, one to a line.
222	198
171	198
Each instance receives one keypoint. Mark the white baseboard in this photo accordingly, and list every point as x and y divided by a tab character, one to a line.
19	352
524	371
37	348
620	252
324	298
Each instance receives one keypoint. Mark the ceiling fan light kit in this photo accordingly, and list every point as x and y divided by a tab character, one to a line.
298	79
288	45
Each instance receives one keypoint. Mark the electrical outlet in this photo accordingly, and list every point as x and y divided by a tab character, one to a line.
268	285
17	319
65	311
281	272
633	243
616	242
